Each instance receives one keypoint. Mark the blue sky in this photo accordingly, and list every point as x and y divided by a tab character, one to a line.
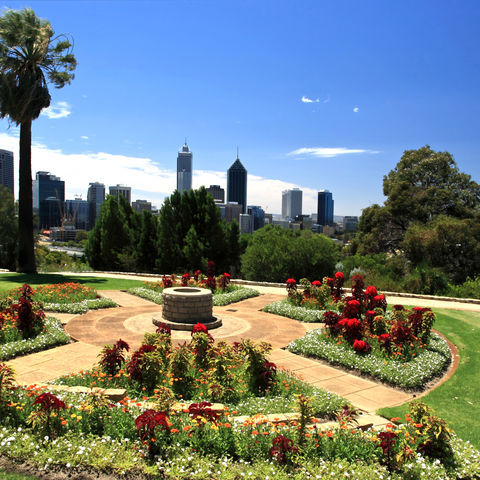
319	95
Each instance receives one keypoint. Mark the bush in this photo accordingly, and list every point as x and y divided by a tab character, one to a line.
275	253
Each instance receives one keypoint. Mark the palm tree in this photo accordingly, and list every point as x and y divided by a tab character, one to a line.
30	58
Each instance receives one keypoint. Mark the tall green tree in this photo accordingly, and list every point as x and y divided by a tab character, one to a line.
31	57
8	229
423	185
146	253
180	212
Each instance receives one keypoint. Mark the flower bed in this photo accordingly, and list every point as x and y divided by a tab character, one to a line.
396	346
71	432
24	328
411	374
64	297
285	308
52	336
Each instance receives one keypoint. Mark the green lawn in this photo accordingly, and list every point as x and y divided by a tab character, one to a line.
457	400
4	475
15	280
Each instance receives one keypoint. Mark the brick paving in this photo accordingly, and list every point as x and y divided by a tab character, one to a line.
241	320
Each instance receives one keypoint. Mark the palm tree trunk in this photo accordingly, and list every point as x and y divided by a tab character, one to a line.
26	254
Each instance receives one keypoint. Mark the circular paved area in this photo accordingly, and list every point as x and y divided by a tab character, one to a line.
129	323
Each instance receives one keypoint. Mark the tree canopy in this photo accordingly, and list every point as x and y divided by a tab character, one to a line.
423	185
275	254
30	58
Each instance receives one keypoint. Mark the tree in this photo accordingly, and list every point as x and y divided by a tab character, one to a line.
180	212
451	244
423	185
275	254
193	251
110	243
30	58
8	229
146	252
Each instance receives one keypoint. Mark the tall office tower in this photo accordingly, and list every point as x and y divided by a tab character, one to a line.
291	203
325	208
258	215
237	184
121	191
140	205
6	169
48	199
217	193
77	213
184	169
95	199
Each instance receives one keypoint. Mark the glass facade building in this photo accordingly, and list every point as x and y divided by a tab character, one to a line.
6	170
237	184
48	199
325	208
95	199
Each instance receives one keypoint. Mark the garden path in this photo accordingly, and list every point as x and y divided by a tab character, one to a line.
241	320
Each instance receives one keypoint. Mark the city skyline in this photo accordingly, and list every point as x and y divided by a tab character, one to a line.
308	91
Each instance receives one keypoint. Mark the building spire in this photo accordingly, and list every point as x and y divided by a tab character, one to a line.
185	140
237	152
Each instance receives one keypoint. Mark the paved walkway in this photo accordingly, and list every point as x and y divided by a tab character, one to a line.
241	320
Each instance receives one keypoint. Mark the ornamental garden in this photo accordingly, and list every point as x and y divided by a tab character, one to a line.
205	408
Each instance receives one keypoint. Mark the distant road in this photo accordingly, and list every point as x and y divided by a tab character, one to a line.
71	251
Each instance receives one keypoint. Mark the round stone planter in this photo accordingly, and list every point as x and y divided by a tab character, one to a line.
183	307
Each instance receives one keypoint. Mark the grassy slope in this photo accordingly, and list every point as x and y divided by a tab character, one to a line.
458	399
15	280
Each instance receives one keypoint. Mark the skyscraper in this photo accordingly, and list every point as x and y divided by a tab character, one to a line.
6	169
237	184
121	190
95	198
291	203
48	199
325	208
77	213
258	216
184	169
217	192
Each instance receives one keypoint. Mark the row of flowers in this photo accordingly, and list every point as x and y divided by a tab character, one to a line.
69	429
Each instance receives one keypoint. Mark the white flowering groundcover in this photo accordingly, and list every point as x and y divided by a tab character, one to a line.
54	335
409	375
80	307
285	309
219	299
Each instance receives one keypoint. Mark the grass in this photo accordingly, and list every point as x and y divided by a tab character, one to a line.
15	280
6	475
457	400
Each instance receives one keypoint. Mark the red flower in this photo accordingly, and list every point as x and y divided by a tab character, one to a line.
316	283
291	281
361	346
340	275
371	291
199	328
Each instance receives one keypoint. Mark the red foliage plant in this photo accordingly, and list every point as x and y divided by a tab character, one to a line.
164	329
167	282
147	422
134	367
281	449
113	357
203	410
185	279
49	402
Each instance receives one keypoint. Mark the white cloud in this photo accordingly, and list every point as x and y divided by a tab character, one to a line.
84	137
356	109
309	100
148	180
57	110
328	152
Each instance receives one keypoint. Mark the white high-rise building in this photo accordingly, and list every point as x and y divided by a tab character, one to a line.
292	203
95	199
184	169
